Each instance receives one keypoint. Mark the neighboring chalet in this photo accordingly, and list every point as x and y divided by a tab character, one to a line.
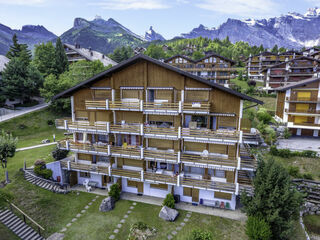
291	71
257	63
298	105
156	129
310	51
139	50
3	61
215	68
77	53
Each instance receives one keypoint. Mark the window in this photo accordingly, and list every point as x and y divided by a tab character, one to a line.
103	138
85	174
103	159
220	173
79	136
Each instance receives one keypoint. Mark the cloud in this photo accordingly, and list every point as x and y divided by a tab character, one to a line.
22	2
131	4
243	8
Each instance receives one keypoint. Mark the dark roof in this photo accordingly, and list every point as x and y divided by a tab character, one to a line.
298	84
140	57
307	49
179	55
265	53
216	55
290	52
298	58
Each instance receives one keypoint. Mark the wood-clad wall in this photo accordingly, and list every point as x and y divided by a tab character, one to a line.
280	104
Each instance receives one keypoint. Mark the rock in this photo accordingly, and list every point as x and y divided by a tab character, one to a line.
318	212
45	141
168	214
56	236
107	204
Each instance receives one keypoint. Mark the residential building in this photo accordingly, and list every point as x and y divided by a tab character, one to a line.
310	51
257	63
77	53
298	106
215	68
3	61
156	129
139	50
289	72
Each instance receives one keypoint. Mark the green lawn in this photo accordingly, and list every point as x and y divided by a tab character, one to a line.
32	128
5	233
243	84
269	102
312	223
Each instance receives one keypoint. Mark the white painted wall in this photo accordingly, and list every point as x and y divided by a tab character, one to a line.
93	177
125	187
154	191
56	170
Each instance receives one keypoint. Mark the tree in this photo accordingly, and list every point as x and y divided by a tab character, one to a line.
7	149
122	53
169	201
196	55
19	51
155	51
275	200
257	229
275	49
60	58
45	59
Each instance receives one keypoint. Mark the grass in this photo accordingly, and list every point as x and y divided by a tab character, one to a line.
269	102
312	223
243	84
5	233
31	128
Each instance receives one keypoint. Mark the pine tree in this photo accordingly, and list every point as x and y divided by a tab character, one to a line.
275	200
14	48
61	58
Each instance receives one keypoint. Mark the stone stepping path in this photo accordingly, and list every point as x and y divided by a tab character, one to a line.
79	214
122	221
179	228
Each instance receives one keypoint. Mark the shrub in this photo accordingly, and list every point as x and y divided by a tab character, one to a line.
50	122
168	201
46	173
252	83
40	170
284	153
115	191
39	162
273	150
294	171
250	90
198	234
257	229
264	116
140	230
59	154
309	154
307	176
286	133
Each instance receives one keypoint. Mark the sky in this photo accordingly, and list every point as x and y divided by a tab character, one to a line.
168	17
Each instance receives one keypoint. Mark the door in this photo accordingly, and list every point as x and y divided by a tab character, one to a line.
213	122
104	180
119	181
195	195
151	96
73	178
140	187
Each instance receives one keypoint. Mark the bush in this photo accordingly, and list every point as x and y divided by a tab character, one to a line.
284	153
294	171
168	201
39	162
252	83
50	122
140	230
40	170
309	154
115	191
286	133
59	154
198	234
257	229
307	176
46	173
273	150
264	116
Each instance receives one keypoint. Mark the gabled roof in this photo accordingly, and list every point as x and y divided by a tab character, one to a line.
294	59
142	57
298	84
91	55
290	52
265	53
216	55
181	56
316	48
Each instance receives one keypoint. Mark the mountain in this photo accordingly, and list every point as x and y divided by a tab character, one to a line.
29	34
292	30
101	35
151	35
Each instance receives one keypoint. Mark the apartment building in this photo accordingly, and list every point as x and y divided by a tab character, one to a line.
215	68
257	63
77	53
291	71
156	129
298	105
310	51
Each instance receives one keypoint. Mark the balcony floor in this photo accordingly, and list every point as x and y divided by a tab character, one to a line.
296	143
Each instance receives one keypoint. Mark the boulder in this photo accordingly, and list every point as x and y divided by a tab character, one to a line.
168	214
107	204
45	141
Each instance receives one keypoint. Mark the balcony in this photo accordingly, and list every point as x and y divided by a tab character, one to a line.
162	108
210	136
161	156
160	178
212	161
302	112
133	129
303	99
135	175
208	185
113	105
304	125
85	167
82	126
129	152
161	133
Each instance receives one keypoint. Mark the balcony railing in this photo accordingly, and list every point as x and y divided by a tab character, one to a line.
160	178
128	152
208	185
158	132
126	128
308	111
126	173
85	167
161	156
196	107
154	107
124	105
303	99
208	135
192	159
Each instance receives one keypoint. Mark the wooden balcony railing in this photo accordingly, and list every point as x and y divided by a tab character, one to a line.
126	173
302	99
162	156
96	104
161	107
155	132
308	111
126	152
85	167
125	128
208	184
123	105
209	135
160	178
210	160
196	107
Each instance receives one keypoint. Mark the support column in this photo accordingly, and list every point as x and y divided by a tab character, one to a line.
72	109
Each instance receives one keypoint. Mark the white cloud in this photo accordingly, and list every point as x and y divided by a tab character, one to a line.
22	2
131	4
243	8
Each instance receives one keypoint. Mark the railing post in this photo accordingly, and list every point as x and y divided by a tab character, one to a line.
178	180
237	188
107	104
109	150
141	105
179	157
239	163
108	127
109	171
65	124
39	231
68	145
68	165
141	153
240	137
142	177
141	129
179	132
113	95
24	218
180	106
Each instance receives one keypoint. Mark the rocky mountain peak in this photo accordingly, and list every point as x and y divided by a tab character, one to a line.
151	35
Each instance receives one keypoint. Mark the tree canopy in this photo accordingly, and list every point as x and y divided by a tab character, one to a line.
45	59
7	147
122	53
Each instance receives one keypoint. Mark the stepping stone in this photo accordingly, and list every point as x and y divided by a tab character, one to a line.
126	216
189	212
93	200
132	207
112	237
182	224
123	221
178	228
63	230
129	211
69	224
119	225
86	207
186	219
90	203
97	196
83	211
134	203
78	215
188	215
73	220
116	231
170	237
174	233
